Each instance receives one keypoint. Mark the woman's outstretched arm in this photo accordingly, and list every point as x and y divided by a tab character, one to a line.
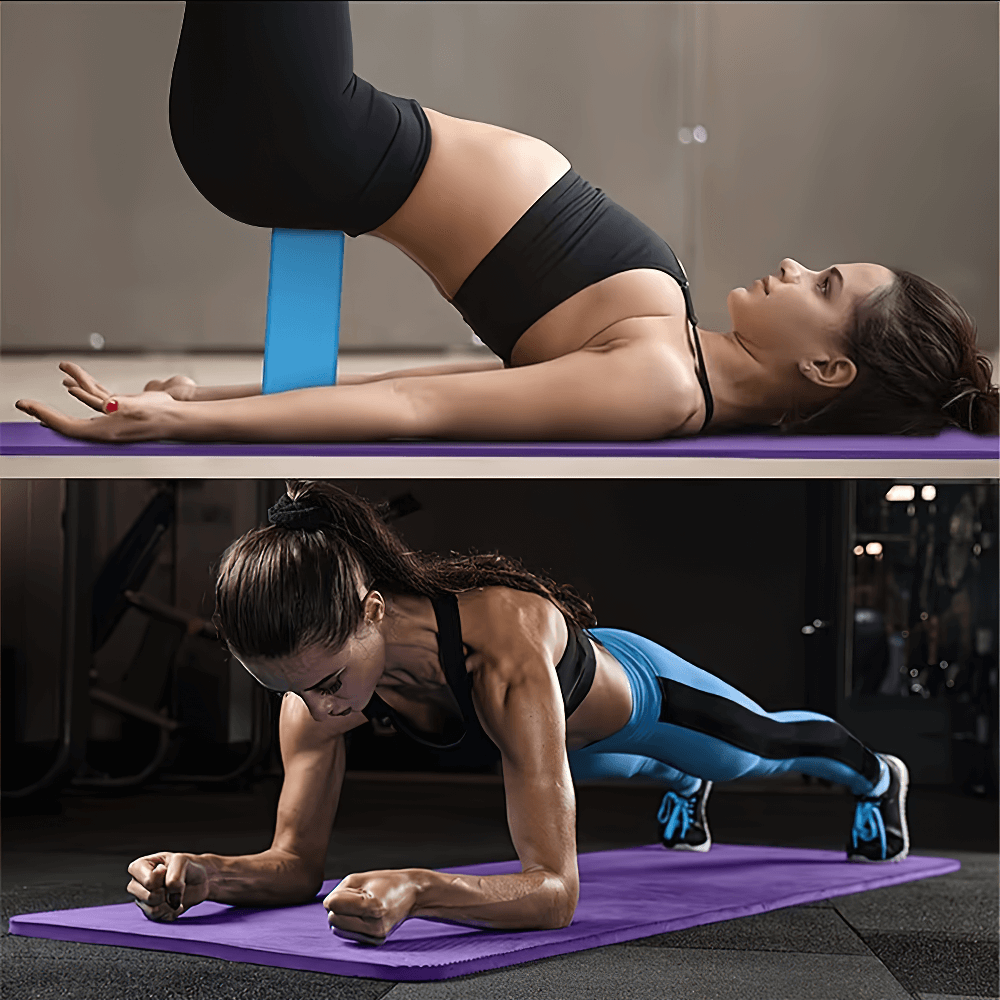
628	390
180	387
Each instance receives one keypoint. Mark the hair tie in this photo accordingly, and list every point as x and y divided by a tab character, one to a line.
970	393
970	390
289	513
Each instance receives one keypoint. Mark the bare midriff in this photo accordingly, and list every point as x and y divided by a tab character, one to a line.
607	707
478	181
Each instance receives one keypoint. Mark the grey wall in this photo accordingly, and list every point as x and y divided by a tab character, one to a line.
851	131
835	132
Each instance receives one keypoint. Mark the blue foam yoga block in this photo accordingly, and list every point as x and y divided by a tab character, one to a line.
303	309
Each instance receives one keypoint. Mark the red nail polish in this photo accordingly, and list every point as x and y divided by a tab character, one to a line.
110	406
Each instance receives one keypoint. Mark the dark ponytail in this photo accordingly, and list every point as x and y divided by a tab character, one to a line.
919	368
294	584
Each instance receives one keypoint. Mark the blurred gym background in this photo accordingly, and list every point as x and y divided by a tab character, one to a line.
874	601
743	133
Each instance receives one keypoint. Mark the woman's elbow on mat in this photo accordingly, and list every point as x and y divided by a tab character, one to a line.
565	894
552	904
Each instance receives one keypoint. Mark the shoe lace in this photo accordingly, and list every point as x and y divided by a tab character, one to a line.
675	810
868	824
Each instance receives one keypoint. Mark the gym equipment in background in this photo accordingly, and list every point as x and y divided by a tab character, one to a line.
93	608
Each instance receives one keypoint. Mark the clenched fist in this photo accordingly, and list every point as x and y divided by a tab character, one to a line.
369	906
165	885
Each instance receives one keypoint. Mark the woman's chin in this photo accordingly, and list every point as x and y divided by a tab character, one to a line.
735	300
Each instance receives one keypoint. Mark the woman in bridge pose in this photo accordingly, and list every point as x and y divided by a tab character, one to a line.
587	310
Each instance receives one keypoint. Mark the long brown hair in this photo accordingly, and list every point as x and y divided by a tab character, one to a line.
281	589
919	368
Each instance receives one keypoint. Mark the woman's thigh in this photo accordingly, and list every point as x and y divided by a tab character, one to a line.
698	724
591	765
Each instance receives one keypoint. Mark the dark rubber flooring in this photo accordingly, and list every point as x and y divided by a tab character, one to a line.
931	940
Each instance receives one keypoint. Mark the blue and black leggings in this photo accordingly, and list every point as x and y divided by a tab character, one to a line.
687	725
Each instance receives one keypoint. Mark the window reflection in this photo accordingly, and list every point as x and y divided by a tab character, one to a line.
925	598
924	588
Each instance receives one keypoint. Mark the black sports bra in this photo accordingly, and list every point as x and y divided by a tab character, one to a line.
573	236
575	671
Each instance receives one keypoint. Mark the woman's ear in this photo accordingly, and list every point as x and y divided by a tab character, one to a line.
829	373
374	607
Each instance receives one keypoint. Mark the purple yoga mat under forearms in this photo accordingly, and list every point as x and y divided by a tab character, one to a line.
624	895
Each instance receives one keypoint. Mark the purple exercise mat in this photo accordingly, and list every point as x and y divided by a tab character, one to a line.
624	895
24	438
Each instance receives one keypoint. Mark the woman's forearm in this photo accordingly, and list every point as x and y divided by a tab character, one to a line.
325	413
272	878
209	393
453	368
212	393
529	900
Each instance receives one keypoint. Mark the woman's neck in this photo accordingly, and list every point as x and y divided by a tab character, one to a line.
409	630
745	390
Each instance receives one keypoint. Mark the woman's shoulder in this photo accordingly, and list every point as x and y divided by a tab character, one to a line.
503	621
658	363
500	604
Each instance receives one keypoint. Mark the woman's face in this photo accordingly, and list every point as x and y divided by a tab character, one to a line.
800	310
331	683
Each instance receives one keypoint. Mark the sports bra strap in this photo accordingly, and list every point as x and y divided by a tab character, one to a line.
451	652
700	371
702	375
576	668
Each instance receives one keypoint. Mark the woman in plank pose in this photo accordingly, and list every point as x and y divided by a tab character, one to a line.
587	309
327	606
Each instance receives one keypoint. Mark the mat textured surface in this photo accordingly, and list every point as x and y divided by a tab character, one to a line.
624	895
24	438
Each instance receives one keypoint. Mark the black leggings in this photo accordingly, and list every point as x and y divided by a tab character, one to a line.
275	129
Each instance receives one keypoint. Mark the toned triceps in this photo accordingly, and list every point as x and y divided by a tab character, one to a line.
523	714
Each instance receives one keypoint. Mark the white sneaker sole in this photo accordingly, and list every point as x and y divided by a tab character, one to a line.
701	848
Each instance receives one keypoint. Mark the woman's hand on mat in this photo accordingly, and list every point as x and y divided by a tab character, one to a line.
142	417
165	885
368	906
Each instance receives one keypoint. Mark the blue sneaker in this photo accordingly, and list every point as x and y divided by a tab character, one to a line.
683	820
880	832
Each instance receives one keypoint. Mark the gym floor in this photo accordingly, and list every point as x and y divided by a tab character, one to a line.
931	940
